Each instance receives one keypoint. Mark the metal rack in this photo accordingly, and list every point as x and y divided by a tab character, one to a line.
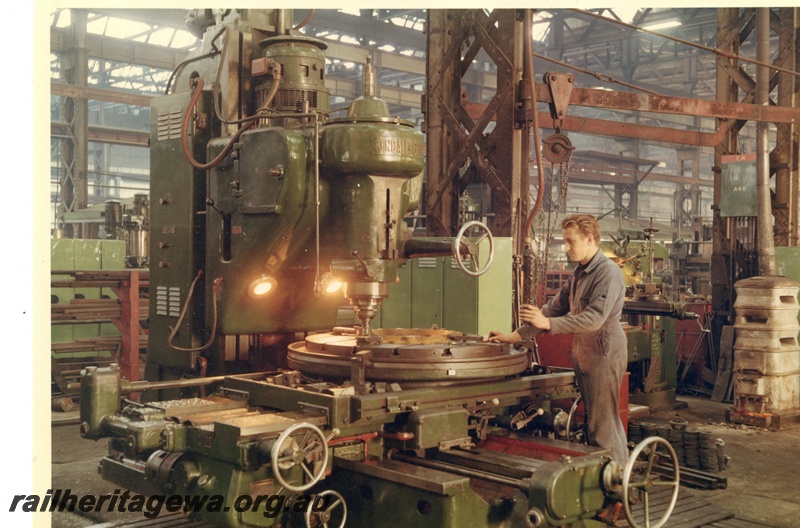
126	313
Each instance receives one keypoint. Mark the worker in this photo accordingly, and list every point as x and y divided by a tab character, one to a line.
589	306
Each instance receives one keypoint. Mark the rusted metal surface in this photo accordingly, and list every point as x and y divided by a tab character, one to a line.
125	312
99	94
128	325
663	104
784	160
726	248
457	140
101	134
604	127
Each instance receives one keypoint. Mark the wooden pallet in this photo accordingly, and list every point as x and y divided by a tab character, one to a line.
690	511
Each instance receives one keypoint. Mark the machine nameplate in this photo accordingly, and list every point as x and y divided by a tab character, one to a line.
351	452
457	442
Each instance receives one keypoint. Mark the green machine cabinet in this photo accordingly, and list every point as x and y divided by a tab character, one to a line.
434	291
76	254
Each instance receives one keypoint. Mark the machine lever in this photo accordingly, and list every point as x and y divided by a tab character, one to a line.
212	204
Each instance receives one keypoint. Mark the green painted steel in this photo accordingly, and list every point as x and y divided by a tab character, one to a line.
77	254
378	501
433	291
738	189
177	242
272	223
569	493
303	72
787	263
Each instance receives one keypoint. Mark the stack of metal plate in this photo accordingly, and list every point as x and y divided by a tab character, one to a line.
691	445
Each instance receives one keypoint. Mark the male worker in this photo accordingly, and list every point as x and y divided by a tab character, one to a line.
589	306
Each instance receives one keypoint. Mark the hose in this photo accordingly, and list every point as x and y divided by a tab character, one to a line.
183	314
528	51
250	122
214	51
305	21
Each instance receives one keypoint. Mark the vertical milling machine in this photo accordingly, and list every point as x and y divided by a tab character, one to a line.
261	202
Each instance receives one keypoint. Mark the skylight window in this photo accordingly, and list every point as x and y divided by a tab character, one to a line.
123	29
61	18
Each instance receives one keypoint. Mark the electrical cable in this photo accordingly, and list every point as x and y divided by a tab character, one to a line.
305	21
183	315
250	122
214	51
538	151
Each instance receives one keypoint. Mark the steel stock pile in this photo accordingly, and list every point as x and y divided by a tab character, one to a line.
261	205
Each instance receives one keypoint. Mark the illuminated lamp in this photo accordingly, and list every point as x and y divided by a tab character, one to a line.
261	287
330	284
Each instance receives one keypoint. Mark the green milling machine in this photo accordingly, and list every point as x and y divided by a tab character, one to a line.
261	202
649	317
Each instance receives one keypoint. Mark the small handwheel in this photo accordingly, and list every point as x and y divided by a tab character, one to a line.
311	453
471	245
647	481
323	517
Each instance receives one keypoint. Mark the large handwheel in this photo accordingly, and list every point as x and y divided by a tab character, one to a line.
473	260
311	451
649	481
322	518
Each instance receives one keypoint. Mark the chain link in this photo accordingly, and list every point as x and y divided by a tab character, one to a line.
548	220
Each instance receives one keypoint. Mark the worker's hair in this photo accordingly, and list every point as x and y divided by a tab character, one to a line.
585	224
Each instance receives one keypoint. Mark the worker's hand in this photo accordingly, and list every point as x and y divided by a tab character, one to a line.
533	316
500	337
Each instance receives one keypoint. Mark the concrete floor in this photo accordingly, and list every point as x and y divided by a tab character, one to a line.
763	473
764	470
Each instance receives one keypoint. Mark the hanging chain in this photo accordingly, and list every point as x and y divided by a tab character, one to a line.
550	219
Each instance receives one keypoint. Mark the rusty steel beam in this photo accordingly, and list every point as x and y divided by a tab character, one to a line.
584	172
603	127
662	104
456	139
784	157
100	134
99	94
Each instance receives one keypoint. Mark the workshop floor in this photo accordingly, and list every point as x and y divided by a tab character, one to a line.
763	482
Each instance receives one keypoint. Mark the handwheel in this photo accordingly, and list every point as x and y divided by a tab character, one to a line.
323	517
647	482
570	418
473	260
311	450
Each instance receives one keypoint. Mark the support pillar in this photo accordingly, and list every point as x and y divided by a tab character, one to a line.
75	147
457	143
